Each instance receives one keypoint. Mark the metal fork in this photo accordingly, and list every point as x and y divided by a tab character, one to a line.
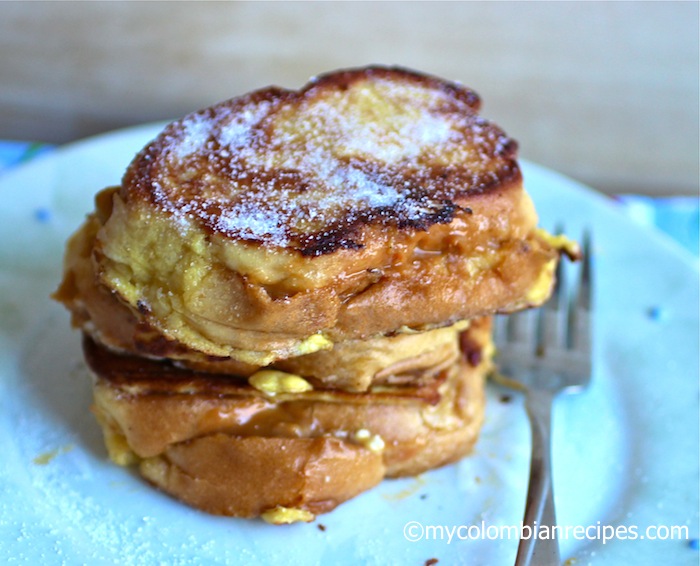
547	351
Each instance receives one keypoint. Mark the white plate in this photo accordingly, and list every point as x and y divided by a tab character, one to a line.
625	451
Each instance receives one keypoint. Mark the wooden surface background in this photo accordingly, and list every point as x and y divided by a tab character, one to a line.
606	92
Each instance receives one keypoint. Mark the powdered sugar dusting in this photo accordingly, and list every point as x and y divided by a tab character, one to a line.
364	190
237	132
290	171
251	222
405	138
195	132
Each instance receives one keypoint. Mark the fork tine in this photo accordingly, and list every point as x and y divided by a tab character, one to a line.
520	327
579	314
554	302
549	322
551	327
584	294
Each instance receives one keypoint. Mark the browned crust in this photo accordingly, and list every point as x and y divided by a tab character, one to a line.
155	410
246	476
162	377
234	453
146	279
216	182
440	292
342	79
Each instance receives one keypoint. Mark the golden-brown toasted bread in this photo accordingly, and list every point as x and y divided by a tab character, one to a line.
310	170
279	223
229	448
352	365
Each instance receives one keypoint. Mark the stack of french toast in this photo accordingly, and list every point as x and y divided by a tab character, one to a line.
289	295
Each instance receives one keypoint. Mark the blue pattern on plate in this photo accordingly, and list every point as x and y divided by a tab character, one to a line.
13	153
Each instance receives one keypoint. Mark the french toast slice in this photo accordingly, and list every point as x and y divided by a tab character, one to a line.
243	450
278	223
351	365
311	171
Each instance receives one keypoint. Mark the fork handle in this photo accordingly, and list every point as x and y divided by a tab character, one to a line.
539	508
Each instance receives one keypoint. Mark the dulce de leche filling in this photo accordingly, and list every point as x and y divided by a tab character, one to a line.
152	405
